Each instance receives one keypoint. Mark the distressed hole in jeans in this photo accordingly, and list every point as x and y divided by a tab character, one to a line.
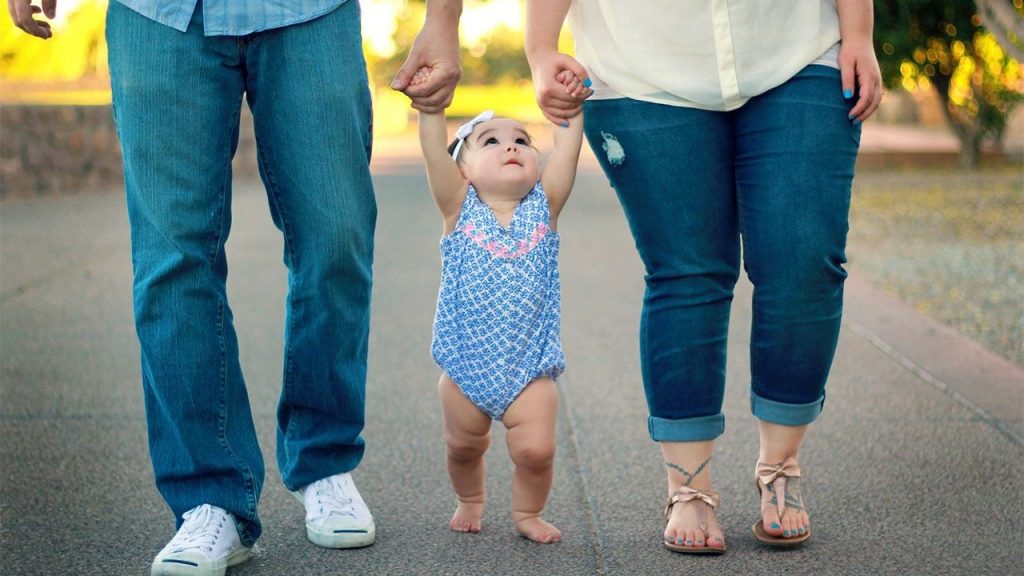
612	148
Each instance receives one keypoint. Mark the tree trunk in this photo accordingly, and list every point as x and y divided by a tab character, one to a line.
970	153
967	132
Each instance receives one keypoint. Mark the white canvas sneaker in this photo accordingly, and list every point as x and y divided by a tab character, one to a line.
205	545
336	516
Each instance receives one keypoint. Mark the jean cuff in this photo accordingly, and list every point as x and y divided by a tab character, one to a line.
783	413
686	429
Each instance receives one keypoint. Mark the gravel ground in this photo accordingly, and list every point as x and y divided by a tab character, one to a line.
951	243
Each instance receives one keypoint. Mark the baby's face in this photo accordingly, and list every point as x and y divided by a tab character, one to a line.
499	154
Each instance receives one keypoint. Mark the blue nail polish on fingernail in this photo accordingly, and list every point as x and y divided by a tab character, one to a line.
565	124
856	122
847	93
587	83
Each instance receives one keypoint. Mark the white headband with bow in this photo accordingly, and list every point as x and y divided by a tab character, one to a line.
466	129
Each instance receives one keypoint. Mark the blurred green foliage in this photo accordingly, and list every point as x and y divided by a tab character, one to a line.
943	44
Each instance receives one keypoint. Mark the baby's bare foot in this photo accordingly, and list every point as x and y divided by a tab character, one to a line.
468	517
537	529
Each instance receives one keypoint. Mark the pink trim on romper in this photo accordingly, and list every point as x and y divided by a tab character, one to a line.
499	250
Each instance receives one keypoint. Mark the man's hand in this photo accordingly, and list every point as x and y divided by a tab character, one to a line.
432	70
23	12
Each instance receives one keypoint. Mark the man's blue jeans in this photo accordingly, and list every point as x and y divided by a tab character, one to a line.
775	176
177	98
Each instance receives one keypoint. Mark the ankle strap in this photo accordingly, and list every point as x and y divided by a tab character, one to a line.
688	494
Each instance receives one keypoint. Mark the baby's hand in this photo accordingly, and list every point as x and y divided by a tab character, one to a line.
421	76
574	87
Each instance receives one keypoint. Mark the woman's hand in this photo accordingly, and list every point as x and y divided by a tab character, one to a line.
560	84
861	77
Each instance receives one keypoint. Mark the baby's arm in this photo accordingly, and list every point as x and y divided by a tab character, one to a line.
560	171
447	184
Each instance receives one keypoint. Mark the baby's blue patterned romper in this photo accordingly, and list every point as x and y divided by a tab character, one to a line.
498	309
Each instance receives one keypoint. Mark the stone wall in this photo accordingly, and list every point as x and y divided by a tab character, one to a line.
54	149
46	150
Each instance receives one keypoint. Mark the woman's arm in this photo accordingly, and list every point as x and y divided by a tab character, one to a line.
447	184
857	62
560	171
558	101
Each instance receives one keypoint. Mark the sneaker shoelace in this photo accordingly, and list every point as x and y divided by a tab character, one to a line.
201	529
332	498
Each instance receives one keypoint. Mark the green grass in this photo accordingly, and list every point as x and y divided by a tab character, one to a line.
950	243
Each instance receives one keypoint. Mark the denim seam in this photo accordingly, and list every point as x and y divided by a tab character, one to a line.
225	186
247	475
274	196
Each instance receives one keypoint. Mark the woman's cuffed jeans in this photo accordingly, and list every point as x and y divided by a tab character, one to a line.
772	178
177	98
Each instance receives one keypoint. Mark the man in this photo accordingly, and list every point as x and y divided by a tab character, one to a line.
179	71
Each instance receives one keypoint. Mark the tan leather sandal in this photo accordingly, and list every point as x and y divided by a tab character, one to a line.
779	485
687	495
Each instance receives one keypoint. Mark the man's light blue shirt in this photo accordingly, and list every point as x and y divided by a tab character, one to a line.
233	17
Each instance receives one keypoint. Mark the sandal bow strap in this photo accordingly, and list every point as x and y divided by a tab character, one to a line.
768	473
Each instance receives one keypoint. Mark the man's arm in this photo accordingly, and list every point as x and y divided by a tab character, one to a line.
436	48
23	12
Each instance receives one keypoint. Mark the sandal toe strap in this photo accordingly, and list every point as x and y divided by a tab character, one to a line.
769	473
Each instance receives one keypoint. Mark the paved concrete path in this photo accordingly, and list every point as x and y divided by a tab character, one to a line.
914	467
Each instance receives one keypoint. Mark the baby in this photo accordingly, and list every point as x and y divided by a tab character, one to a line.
496	330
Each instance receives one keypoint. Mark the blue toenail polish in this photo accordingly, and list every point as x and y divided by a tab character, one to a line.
587	83
785	532
847	93
679	540
776	525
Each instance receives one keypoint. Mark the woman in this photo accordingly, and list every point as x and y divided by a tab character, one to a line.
725	124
